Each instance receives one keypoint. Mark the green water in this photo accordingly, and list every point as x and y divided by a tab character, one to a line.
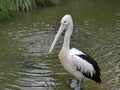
25	40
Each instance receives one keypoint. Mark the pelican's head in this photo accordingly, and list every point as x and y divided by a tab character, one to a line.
66	21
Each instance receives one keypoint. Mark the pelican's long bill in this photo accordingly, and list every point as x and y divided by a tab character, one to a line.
61	29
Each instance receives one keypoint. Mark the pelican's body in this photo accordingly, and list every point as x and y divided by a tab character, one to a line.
65	59
76	62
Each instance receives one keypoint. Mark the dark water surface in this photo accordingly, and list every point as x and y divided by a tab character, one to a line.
25	40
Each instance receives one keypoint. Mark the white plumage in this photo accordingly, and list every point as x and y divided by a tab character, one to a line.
81	63
76	62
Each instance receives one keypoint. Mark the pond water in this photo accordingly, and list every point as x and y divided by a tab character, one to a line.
25	40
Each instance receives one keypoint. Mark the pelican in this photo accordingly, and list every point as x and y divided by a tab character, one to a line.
76	62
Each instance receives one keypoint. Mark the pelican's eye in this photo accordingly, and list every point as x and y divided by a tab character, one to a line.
64	21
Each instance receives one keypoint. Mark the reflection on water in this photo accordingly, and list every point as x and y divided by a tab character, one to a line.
27	67
24	43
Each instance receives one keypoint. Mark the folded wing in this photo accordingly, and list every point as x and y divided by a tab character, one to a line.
86	65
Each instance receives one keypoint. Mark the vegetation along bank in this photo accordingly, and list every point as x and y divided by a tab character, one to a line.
9	8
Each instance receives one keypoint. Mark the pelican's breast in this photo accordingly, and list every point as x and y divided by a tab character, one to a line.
66	63
63	56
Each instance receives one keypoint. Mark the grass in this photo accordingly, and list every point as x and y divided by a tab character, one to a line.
9	8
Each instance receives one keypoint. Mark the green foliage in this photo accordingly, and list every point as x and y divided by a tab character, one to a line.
4	13
23	4
7	8
10	7
45	2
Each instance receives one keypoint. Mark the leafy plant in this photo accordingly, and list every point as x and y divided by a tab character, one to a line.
4	13
45	2
23	4
10	7
7	8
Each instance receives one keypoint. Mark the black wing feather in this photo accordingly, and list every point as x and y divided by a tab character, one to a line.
97	74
